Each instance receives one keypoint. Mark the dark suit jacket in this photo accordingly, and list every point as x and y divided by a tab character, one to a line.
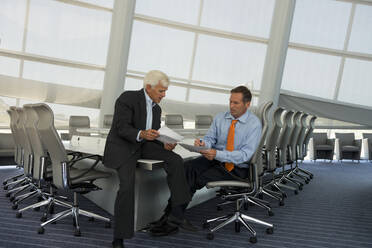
129	118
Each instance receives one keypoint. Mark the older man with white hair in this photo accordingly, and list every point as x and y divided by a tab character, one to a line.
132	136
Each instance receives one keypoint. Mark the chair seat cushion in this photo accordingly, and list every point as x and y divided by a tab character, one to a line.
324	147
89	176
228	183
350	149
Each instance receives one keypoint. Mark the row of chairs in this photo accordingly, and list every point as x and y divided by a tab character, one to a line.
48	169
283	142
345	146
175	121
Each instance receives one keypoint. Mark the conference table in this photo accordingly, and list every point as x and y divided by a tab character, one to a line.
151	188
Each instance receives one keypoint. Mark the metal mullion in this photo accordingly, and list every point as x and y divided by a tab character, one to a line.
196	38
346	44
25	28
85	5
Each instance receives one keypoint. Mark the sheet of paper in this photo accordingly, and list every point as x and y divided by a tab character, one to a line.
167	135
192	148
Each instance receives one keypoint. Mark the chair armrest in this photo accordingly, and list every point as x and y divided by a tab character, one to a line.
98	159
331	142
358	143
311	149
337	149
365	146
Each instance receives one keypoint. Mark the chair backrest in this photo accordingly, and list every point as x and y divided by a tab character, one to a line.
284	135
52	142
320	138
107	121
301	136
309	132
272	138
78	121
203	121
25	142
13	127
262	113
174	121
367	136
40	153
296	129
345	139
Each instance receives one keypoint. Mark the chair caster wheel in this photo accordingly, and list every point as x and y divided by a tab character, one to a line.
77	232
210	236
19	215
11	198
296	192
311	176
43	219
91	219
5	187
270	230
41	230
15	206
237	227
284	195
108	224
219	208
253	240
307	181
7	194
281	203
206	225
4	183
271	213
37	209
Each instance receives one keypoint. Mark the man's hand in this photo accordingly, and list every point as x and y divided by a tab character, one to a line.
199	142
209	154
169	147
149	134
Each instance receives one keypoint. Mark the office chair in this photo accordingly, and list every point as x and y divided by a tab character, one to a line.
203	121
75	122
174	121
308	135
249	184
367	143
107	121
348	146
321	147
65	176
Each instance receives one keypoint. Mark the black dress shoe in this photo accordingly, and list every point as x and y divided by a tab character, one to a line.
164	230
159	222
117	243
182	223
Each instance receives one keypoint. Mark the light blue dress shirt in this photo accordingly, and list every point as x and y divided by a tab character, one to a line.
149	105
247	136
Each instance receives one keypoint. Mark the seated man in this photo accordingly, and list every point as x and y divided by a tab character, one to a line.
232	138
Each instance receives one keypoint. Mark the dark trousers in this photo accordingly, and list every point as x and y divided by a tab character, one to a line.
200	171
124	204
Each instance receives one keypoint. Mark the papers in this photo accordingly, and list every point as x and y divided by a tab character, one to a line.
192	148
167	135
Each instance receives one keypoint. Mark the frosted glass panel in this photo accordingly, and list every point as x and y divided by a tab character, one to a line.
202	96
175	10
160	48
229	62
240	16
133	84
356	86
361	34
69	32
5	103
9	66
102	3
63	75
176	93
311	73
320	23
12	19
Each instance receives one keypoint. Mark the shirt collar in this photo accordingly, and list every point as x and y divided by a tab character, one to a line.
148	99
243	118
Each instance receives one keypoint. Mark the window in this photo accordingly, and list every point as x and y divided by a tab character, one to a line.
9	66
361	35
208	97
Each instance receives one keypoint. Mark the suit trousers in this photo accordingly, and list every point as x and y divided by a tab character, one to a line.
124	203
200	171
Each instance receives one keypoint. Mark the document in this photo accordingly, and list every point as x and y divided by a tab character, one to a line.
193	148
167	135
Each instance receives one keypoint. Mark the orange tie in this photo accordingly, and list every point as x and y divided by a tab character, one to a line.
230	143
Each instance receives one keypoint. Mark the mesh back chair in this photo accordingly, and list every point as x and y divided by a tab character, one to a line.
65	175
107	121
15	180
203	121
174	121
321	147
250	184
349	147
309	133
301	137
367	142
75	122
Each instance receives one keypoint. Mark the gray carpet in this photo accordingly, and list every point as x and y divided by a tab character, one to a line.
334	210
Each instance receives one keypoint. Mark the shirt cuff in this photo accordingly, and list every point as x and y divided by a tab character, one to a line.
138	136
220	156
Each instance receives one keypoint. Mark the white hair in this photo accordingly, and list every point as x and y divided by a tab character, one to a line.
154	77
